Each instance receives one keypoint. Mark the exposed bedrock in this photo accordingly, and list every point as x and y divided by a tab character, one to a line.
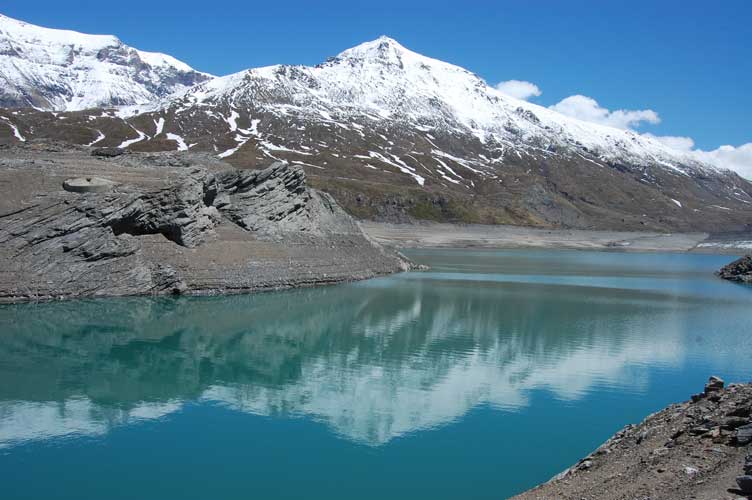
740	270
277	200
166	229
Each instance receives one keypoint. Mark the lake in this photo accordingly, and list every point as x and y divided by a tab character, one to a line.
477	379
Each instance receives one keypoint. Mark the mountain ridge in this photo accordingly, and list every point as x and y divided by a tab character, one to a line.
466	108
394	135
64	70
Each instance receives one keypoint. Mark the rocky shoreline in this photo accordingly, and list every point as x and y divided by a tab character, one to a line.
432	234
698	449
76	224
740	270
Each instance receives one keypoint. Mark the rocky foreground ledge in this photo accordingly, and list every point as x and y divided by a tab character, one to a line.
73	224
699	449
740	270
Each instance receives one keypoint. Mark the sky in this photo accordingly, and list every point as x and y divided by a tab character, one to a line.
680	69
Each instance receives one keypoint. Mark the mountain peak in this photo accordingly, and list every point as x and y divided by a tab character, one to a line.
381	43
382	50
381	114
22	32
387	40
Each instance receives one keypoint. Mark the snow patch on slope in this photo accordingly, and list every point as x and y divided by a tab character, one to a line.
182	146
100	137
16	132
160	125
126	143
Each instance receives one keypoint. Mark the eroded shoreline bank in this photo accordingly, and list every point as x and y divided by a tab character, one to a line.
422	235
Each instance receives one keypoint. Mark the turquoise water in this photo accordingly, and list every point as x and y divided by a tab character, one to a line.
476	380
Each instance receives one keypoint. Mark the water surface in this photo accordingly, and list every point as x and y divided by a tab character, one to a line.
476	380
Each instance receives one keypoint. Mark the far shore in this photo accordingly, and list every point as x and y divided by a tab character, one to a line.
443	235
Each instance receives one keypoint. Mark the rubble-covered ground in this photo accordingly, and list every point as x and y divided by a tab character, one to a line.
699	449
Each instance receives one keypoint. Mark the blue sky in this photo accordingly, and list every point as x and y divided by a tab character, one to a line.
689	61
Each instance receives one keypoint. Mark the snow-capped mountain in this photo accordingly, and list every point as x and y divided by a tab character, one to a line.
64	70
382	81
393	134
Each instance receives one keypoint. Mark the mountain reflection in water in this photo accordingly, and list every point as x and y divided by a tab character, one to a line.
373	361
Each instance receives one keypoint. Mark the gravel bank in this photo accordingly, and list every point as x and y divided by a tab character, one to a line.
483	236
696	449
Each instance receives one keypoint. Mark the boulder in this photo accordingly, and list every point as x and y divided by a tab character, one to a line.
714	384
745	483
107	152
744	434
741	410
731	423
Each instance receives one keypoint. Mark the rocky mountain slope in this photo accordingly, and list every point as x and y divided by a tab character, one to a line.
169	223
64	70
394	135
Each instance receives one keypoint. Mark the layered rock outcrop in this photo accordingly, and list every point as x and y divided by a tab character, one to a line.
171	224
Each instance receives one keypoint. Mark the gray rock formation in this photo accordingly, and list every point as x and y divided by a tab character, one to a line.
745	484
740	270
744	434
198	227
277	200
714	384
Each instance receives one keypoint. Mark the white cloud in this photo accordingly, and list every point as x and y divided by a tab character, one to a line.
674	142
738	159
519	89
588	109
